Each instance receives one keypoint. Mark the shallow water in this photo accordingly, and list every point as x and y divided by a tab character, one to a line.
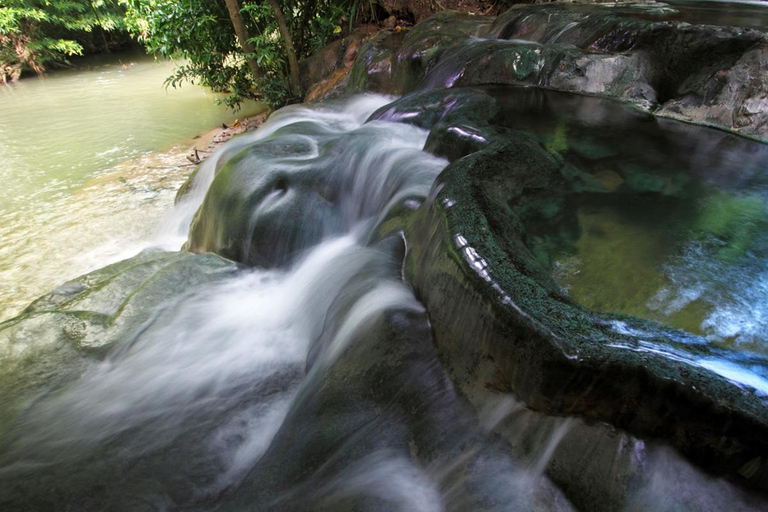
91	158
668	221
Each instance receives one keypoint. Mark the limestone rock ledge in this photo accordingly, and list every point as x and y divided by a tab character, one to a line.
706	74
501	322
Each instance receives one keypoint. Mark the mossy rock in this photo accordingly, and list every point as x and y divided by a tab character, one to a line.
490	299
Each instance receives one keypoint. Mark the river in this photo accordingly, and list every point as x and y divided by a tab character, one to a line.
91	159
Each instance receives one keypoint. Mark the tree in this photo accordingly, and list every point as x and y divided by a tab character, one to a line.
293	61
36	33
245	48
243	36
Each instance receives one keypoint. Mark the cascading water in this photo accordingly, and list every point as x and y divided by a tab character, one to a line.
212	375
309	386
404	333
176	223
192	400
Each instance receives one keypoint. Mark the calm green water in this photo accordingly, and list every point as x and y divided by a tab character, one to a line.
91	160
659	219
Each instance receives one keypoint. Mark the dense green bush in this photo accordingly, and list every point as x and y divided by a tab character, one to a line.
201	33
36	33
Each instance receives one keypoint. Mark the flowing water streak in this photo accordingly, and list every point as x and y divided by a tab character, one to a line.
568	26
234	349
211	377
175	225
392	478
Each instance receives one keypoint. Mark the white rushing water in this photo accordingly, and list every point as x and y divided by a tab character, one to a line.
218	369
175	225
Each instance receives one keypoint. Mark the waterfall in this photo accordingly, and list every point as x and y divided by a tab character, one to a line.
214	373
427	303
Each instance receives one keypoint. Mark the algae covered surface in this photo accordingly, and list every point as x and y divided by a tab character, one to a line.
693	263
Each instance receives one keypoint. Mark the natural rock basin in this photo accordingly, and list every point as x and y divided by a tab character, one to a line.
382	327
665	221
473	242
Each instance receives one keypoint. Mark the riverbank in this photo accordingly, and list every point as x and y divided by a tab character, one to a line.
209	142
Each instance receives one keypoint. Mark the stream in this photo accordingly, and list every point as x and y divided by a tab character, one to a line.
190	407
91	158
463	297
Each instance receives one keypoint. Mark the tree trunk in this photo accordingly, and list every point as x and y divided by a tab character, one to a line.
293	62
241	31
26	56
101	27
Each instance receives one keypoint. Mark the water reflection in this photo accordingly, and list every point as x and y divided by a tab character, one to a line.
660	219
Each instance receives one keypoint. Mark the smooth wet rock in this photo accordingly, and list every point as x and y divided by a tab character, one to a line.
372	69
426	109
676	65
712	75
60	334
277	198
257	208
456	119
490	301
735	96
395	63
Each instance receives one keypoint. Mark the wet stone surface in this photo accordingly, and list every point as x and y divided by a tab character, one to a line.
707	74
473	249
60	335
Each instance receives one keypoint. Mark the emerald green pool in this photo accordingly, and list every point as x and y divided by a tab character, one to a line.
661	219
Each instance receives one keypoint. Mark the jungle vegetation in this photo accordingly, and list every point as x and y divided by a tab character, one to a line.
36	34
247	49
